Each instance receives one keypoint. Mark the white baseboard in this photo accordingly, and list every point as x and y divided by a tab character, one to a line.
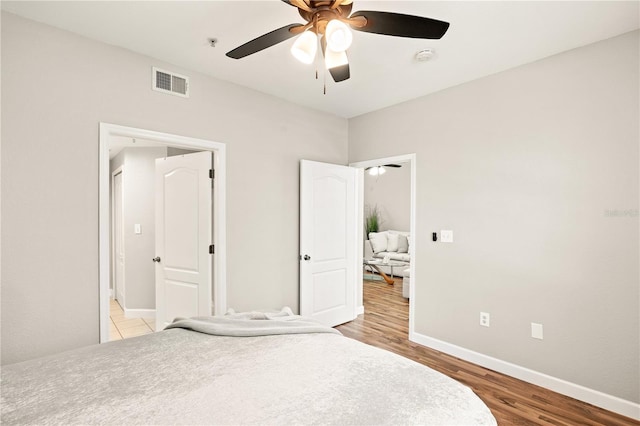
359	310
591	396
139	313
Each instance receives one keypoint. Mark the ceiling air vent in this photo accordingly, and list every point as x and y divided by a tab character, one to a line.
169	82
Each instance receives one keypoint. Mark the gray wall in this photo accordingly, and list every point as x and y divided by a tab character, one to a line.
139	208
536	171
56	89
391	193
114	163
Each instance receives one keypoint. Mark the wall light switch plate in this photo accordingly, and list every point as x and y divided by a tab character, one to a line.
446	236
536	331
137	229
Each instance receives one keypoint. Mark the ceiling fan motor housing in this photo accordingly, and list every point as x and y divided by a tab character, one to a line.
321	13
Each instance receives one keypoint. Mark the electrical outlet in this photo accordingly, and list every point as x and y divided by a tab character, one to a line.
485	319
536	331
446	236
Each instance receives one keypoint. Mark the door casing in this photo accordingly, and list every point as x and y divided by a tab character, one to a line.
107	131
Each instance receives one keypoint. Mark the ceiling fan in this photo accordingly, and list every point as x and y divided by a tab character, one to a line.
379	170
330	20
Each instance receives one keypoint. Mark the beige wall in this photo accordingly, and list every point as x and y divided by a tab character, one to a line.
391	193
138	187
528	167
56	89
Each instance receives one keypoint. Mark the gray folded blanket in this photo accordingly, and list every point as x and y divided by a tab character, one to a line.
249	324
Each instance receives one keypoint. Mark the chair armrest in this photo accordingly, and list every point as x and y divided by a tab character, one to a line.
368	250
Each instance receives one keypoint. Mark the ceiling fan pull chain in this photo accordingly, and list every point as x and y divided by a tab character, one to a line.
324	78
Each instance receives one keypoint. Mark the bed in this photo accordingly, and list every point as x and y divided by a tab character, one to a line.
253	368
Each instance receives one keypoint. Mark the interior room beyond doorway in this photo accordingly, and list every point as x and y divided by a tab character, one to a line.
392	193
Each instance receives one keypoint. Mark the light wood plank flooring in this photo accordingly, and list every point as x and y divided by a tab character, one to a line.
512	402
123	328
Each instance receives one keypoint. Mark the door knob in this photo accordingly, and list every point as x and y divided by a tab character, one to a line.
156	259
306	257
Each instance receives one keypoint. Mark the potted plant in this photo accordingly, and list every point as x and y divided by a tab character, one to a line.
372	220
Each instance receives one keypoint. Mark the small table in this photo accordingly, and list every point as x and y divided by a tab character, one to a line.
376	263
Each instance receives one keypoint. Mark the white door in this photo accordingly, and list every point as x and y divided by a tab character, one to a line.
118	237
327	242
183	236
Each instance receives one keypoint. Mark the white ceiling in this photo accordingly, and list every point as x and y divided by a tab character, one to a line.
484	38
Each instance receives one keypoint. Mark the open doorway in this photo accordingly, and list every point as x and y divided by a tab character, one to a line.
391	191
116	137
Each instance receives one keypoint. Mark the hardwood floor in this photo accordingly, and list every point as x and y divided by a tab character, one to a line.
512	401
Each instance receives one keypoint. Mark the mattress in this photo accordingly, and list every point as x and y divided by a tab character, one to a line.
221	371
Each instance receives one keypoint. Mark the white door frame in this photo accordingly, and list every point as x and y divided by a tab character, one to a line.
411	159
107	131
113	261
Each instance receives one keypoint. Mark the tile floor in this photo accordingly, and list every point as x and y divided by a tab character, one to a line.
122	328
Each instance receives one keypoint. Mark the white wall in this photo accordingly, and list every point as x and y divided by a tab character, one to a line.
536	172
139	208
391	193
114	163
56	89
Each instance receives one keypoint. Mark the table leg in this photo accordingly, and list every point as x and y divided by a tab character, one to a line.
383	275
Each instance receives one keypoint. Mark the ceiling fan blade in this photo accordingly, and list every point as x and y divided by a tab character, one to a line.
264	41
339	73
399	25
393	165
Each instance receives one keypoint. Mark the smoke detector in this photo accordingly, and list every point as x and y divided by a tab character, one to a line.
424	55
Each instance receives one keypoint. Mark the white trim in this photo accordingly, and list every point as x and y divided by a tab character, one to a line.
219	223
591	396
412	160
112	290
359	309
139	313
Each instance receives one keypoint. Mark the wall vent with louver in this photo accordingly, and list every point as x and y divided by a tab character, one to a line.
170	82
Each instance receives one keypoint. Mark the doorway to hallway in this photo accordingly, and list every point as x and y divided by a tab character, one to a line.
109	135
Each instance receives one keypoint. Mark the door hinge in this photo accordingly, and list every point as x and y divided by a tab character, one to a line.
212	249
212	173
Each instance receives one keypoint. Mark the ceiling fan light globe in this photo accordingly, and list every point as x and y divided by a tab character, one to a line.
305	46
339	36
377	171
333	59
